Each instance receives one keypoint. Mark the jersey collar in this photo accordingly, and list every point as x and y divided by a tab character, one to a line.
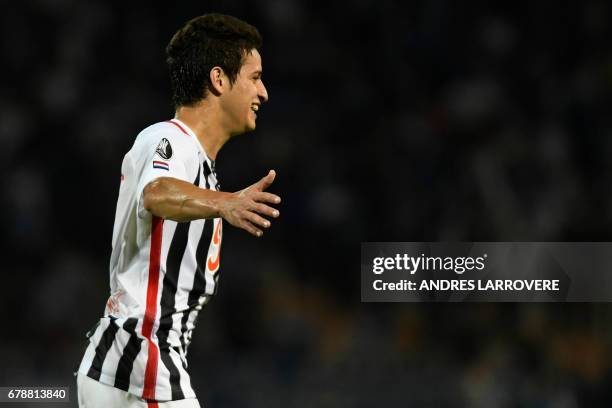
195	138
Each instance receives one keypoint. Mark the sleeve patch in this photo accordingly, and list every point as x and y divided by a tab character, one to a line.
164	149
161	165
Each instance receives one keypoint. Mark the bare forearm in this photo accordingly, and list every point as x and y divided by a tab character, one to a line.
181	201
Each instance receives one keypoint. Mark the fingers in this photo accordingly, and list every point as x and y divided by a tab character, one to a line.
253	222
263	197
251	229
267	181
257	220
265	210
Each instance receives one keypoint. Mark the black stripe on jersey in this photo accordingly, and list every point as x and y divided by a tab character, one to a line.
218	185
173	265
106	341
199	281
178	245
130	352
207	173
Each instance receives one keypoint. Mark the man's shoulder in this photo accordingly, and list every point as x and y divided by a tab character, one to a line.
166	133
163	128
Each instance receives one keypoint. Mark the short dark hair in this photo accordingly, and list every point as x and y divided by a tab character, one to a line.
203	43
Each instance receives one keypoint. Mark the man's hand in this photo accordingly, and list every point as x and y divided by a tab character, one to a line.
245	208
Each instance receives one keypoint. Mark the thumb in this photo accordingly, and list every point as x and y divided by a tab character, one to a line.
267	181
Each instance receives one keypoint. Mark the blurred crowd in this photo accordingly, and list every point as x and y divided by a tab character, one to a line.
387	121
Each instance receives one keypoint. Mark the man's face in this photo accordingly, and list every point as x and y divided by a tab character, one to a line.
245	97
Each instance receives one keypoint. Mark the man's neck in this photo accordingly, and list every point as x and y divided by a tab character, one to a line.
203	119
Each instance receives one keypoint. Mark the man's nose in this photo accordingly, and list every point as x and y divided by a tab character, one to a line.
263	93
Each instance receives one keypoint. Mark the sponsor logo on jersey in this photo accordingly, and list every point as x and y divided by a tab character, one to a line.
213	263
164	149
161	165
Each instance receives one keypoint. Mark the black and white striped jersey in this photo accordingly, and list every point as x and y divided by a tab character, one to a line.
162	272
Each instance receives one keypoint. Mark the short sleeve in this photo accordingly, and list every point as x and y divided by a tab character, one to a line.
166	154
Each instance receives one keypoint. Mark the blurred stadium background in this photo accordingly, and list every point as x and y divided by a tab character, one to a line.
387	121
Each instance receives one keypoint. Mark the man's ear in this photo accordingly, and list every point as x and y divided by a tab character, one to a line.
218	80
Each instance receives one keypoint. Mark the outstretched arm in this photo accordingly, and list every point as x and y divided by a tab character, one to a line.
178	200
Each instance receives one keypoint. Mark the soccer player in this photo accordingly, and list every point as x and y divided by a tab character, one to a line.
167	235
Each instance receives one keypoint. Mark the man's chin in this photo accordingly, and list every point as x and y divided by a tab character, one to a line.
250	127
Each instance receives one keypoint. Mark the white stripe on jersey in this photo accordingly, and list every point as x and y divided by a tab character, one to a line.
118	352
185	283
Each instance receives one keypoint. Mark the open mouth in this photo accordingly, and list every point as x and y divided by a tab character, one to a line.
255	108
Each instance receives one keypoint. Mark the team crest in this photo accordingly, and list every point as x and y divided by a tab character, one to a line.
164	150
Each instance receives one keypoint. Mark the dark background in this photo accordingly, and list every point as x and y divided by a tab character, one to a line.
388	121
